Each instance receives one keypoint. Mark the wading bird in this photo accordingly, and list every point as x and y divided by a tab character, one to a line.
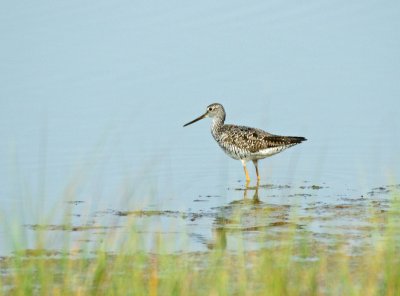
242	142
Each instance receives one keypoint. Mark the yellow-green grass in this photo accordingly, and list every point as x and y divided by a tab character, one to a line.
299	265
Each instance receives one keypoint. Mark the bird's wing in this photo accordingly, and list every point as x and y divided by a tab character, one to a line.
253	139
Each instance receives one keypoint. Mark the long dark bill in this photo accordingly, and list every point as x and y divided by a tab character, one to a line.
197	119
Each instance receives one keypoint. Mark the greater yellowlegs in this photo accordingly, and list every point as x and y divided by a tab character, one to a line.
242	142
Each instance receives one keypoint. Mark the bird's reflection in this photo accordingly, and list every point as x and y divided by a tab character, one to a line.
246	200
230	216
249	220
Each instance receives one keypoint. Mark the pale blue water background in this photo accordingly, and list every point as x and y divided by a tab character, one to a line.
94	94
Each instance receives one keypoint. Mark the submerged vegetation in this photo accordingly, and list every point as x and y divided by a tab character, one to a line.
296	262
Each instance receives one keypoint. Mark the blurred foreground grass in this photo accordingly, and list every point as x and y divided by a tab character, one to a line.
299	265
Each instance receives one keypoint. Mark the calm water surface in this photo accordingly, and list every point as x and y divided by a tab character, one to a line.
93	98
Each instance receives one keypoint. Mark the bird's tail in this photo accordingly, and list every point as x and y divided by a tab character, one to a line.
295	140
299	139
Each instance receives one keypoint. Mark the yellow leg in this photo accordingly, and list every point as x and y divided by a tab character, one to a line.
246	172
255	162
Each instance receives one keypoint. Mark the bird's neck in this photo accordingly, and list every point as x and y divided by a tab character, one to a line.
216	125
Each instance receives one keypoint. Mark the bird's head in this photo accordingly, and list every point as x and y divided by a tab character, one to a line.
214	110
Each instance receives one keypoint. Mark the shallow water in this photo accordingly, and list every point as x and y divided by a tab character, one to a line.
92	110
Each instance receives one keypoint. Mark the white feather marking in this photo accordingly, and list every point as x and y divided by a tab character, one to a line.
270	151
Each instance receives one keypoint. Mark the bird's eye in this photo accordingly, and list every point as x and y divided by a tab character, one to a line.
209	109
